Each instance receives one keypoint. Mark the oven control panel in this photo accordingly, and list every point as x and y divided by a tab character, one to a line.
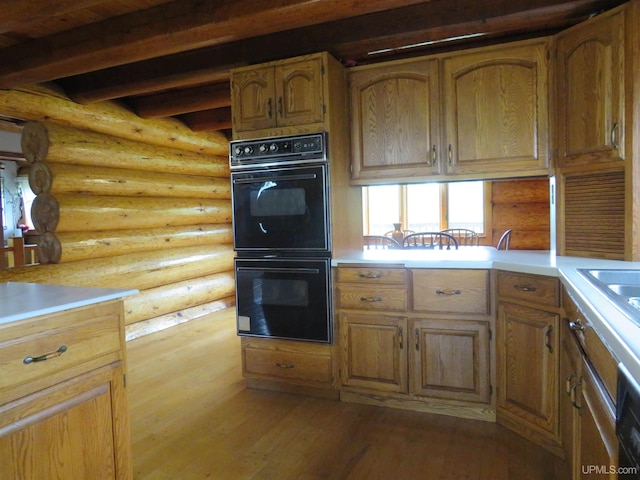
278	150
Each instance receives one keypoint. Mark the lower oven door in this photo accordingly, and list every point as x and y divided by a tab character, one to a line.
284	298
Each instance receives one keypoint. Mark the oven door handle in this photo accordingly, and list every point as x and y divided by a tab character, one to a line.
287	178
313	271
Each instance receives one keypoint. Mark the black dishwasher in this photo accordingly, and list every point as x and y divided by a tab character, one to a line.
628	425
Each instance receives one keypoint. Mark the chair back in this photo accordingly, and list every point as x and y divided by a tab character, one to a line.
379	242
431	240
464	236
505	238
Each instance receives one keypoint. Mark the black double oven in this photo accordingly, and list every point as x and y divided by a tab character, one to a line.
281	234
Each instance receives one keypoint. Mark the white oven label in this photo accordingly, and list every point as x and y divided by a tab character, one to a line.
244	323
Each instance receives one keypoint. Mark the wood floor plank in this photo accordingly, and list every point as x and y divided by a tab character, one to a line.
192	418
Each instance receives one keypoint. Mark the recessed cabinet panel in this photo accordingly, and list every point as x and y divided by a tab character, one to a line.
496	110
299	93
255	90
395	123
451	359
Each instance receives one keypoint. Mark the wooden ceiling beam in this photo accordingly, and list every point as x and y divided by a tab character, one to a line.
218	119
19	12
166	29
188	100
349	38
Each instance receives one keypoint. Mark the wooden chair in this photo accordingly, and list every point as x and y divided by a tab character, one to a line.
430	240
464	236
379	242
404	232
505	238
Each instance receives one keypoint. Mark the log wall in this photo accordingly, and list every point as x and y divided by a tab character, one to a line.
523	206
125	202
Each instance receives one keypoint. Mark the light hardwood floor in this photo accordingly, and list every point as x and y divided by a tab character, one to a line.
192	418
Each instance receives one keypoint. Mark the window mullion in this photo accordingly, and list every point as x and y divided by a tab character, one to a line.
444	206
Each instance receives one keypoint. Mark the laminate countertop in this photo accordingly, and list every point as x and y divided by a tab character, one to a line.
612	323
19	300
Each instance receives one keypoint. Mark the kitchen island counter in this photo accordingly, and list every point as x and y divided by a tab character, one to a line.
19	300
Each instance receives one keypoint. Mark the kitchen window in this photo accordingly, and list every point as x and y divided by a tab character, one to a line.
426	207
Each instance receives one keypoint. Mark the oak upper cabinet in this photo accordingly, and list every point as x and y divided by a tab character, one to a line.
66	417
279	94
495	110
528	357
590	77
395	121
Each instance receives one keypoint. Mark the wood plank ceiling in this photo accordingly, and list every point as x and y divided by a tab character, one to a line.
167	58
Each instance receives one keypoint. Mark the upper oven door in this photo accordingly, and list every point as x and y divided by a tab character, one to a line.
281	209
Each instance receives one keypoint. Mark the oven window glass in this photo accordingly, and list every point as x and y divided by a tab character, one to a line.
288	293
269	201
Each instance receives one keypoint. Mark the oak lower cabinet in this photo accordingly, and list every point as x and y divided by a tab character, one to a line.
587	401
428	351
528	357
66	417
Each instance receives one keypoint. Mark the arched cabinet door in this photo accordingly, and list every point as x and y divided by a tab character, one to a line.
590	86
299	96
395	121
495	110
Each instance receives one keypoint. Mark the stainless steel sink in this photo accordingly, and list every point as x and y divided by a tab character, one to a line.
621	286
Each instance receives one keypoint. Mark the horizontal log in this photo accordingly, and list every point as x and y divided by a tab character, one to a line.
218	119
45	103
80	179
525	215
520	191
93	213
49	248
145	327
178	296
68	145
40	177
136	271
167	104
84	245
45	213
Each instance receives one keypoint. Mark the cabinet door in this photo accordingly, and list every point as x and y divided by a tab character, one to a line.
590	76
496	111
597	444
527	351
395	121
374	352
569	388
450	359
299	98
73	430
253	99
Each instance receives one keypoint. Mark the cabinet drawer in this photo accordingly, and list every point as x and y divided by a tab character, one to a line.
301	366
529	288
396	276
451	291
70	339
374	297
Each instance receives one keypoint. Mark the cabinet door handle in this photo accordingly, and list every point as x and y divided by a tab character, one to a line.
450	155
573	394
46	356
526	288
448	291
280	106
371	299
285	365
576	326
614	136
270	108
434	156
400	338
370	275
547	338
567	388
417	332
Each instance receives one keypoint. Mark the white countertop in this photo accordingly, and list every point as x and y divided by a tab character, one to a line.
620	333
19	301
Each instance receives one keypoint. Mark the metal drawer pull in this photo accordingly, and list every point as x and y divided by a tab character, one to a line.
46	356
614	136
573	395
448	292
525	288
434	156
285	365
576	326
370	275
568	386
370	299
